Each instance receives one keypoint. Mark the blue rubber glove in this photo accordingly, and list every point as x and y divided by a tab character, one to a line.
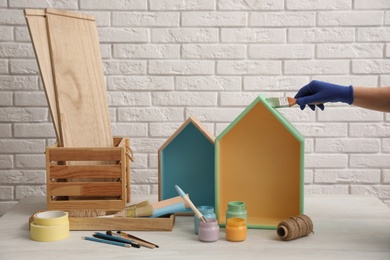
319	92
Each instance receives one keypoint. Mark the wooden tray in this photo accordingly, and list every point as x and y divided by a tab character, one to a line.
164	223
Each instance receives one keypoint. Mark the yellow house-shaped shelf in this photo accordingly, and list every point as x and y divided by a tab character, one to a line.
187	159
259	160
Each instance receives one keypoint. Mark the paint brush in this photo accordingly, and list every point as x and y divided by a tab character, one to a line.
106	241
145	211
174	208
138	240
189	202
281	102
115	239
142	209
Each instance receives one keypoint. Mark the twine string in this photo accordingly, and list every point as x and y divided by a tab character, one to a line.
294	227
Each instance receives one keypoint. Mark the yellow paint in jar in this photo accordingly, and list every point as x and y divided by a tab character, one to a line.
236	229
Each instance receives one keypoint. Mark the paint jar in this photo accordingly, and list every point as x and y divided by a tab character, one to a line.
236	229
236	209
208	231
207	212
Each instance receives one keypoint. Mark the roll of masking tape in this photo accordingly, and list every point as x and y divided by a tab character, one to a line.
50	218
49	226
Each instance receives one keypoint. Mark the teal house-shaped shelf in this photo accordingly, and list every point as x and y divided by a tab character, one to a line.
259	160
187	159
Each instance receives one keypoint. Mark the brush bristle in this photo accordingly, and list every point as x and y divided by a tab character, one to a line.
86	213
129	211
281	102
144	211
277	102
273	102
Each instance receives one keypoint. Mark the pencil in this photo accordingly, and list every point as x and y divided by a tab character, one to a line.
106	241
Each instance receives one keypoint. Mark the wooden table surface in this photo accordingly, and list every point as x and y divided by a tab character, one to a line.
345	227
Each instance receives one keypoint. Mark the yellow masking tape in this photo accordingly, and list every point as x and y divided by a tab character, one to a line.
49	226
49	233
50	218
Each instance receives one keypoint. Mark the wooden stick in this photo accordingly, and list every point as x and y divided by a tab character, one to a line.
169	202
137	239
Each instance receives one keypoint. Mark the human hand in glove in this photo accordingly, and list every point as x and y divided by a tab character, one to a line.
316	93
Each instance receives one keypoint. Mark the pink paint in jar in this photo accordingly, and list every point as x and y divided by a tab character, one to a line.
208	231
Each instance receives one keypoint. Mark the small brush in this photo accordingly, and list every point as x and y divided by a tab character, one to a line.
281	102
189	202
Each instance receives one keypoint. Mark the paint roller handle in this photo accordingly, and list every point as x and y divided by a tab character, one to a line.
189	202
319	92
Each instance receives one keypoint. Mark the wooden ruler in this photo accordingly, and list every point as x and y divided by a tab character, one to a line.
36	22
78	75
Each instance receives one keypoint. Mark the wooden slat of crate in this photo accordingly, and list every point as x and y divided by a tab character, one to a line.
109	205
125	142
64	171
85	154
96	189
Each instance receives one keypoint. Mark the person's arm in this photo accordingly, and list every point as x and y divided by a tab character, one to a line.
372	98
317	93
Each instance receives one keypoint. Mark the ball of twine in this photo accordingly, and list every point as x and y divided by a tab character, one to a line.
294	227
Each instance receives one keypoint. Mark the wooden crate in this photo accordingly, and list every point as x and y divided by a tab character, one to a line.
110	186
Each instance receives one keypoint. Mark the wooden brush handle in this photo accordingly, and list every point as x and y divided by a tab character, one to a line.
291	101
168	202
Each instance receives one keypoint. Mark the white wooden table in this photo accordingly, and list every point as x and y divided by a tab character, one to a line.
346	227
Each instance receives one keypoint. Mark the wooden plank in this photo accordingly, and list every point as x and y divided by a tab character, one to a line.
97	189
36	23
79	81
74	171
70	14
84	154
37	12
108	205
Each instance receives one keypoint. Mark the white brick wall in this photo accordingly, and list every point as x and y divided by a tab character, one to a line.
167	59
